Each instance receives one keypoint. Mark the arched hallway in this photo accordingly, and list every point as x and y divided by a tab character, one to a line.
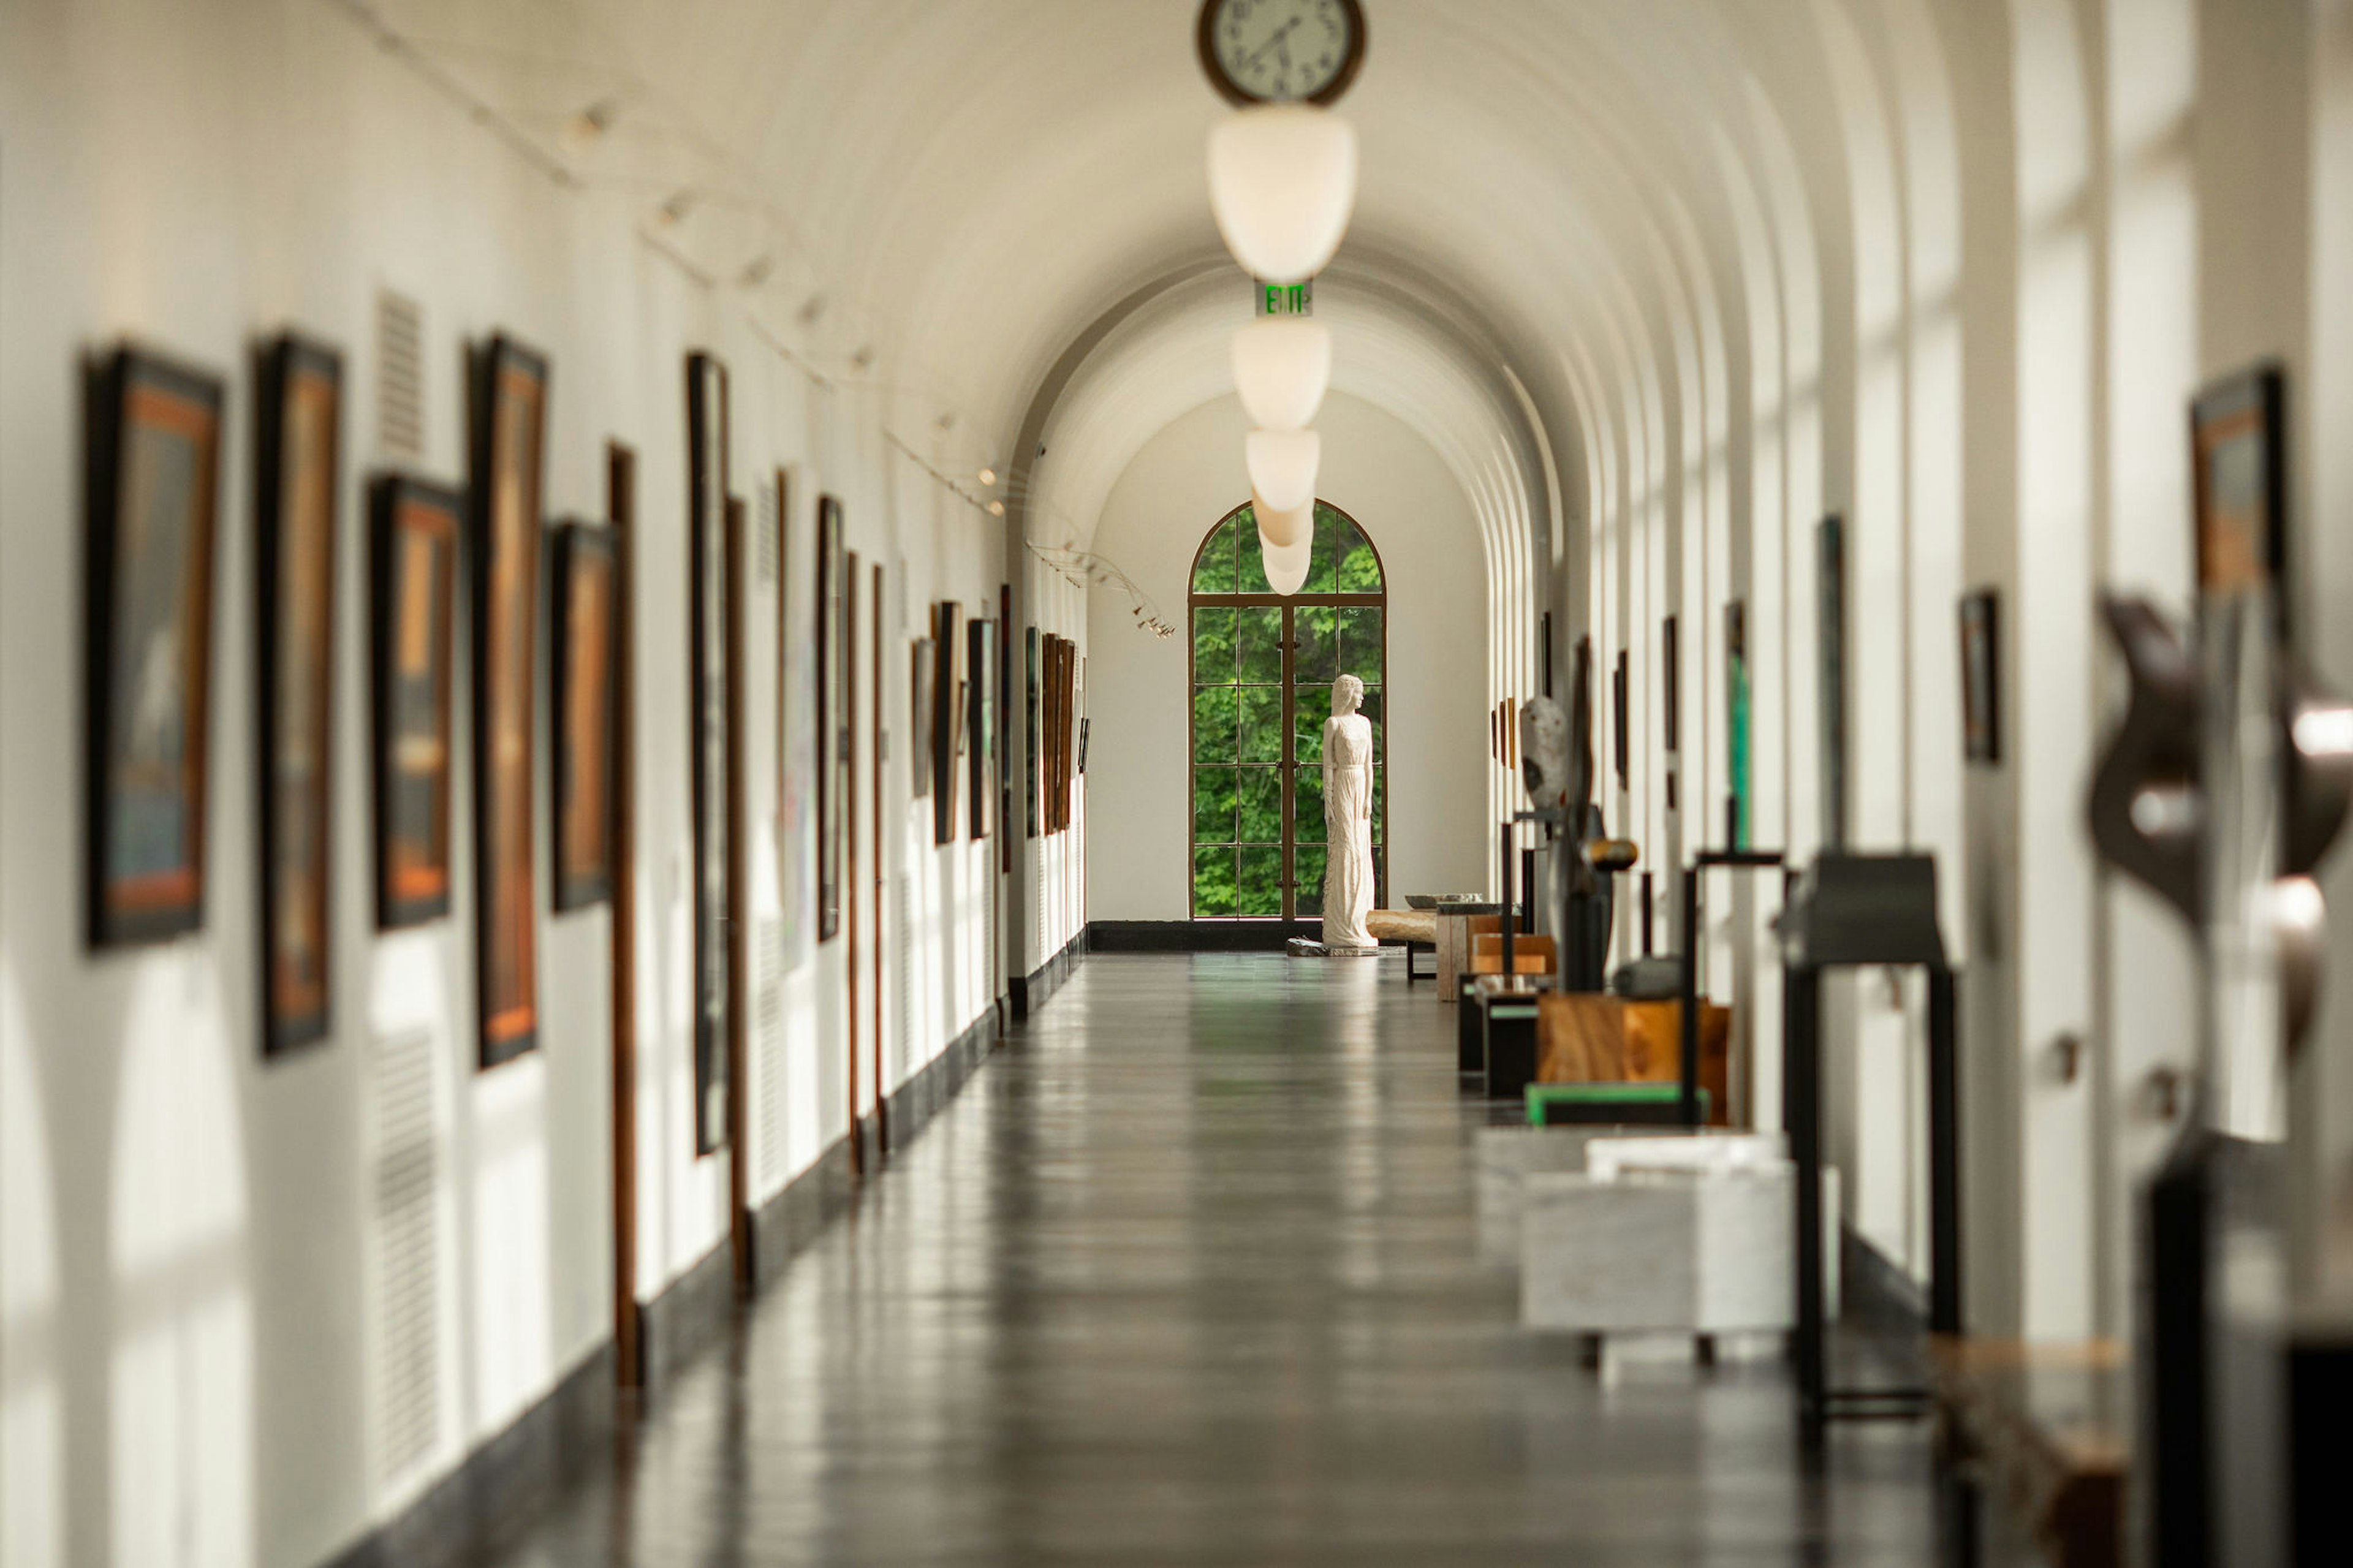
1188	1274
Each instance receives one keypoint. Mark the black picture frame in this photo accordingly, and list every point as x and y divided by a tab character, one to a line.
944	732
152	435
1670	691
981	717
710	737
1623	721
1830	675
1031	759
509	419
416	530
1980	631
2238	445
298	431
586	669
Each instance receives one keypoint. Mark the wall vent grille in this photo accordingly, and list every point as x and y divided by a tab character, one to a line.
771	1037
400	377
407	1180
770	546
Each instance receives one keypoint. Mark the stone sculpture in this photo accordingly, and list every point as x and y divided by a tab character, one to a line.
1347	817
1543	752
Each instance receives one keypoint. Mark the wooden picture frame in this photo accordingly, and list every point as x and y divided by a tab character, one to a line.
414	528
153	450
2238	444
980	720
298	473
1980	627
833	716
510	433
712	519
586	675
923	682
1032	762
944	732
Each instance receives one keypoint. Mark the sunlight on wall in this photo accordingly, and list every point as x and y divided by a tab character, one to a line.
181	1382
32	1405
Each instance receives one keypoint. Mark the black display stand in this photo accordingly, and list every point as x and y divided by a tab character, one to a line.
1707	860
1873	910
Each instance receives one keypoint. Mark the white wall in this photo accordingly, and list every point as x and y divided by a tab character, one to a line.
1181	485
192	1330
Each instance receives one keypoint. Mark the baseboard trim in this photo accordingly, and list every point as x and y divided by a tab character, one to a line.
1877	1290
1033	991
690	1312
1197	936
506	1482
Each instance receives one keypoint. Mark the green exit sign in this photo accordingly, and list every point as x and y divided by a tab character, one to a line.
1285	298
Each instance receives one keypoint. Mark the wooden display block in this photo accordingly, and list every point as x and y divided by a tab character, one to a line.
1530	954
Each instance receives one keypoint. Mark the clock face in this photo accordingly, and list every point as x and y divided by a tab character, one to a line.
1282	51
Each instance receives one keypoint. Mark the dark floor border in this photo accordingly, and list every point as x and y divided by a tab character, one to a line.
1875	1288
1197	936
1031	993
506	1483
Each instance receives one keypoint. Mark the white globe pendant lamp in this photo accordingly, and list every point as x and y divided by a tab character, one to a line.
1282	366
1283	184
1286	565
1283	527
1283	465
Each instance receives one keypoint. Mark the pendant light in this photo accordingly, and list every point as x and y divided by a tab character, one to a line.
1283	465
1283	527
1282	366
1283	184
1286	565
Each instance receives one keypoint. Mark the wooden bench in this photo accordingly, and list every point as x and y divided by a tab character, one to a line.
2043	1430
1414	929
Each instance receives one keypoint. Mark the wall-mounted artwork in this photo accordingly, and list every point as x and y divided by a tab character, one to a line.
298	431
413	583
2238	447
709	705
832	715
1621	698
588	599
943	732
1671	665
980	719
1736	687
509	422
1829	608
1082	745
1003	783
1981	676
153	489
923	676
1032	762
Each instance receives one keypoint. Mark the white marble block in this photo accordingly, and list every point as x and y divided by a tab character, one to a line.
1507	1154
1659	1250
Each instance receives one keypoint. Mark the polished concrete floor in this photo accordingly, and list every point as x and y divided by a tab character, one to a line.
1187	1275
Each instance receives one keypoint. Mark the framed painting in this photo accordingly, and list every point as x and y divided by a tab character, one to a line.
1051	763
587	604
946	728
1622	720
1981	676
1671	685
833	760
2238	437
710	741
1031	762
153	494
980	722
1829	609
1084	722
923	682
411	663
510	426
298	428
1736	687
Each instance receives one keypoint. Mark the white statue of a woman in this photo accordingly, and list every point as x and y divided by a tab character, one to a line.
1347	817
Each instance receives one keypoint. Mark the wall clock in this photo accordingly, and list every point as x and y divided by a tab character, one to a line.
1282	51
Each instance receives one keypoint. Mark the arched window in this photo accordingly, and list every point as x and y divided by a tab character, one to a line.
1263	666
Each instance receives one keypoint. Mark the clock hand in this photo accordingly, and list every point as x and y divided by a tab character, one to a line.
1280	34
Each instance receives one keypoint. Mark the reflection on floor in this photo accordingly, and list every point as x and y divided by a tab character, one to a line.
1187	1275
